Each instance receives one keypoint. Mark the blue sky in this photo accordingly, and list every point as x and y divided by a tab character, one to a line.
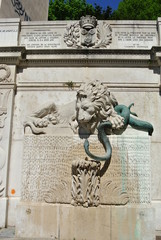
104	3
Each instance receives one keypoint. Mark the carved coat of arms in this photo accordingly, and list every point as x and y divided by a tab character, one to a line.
88	33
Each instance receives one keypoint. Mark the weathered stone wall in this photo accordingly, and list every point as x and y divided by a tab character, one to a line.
26	10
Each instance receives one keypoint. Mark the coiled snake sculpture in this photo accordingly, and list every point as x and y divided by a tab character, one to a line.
135	123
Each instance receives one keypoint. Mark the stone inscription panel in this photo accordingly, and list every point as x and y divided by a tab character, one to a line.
136	39
132	167
48	161
41	39
8	35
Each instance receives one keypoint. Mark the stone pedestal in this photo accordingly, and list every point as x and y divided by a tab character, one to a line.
65	222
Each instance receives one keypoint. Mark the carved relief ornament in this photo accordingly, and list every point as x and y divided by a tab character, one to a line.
19	9
4	77
88	33
85	183
3	115
3	107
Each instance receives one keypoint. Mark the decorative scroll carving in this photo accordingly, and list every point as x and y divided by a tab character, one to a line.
111	194
5	77
87	33
19	9
85	183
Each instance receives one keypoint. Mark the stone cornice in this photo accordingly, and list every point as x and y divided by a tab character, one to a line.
21	56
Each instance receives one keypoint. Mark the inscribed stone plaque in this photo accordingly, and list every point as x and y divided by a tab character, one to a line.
48	161
41	39
9	34
137	39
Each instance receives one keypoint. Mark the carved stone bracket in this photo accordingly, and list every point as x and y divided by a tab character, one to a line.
5	77
85	183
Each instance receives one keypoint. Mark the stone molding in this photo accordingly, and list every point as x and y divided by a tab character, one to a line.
84	57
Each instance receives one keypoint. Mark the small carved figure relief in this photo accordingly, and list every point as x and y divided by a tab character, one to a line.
87	33
4	77
50	115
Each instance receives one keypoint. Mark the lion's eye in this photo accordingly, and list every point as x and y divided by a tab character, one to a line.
85	108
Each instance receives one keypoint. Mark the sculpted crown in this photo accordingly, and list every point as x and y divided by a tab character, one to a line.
88	22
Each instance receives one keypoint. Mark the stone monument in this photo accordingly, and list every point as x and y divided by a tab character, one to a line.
60	178
77	162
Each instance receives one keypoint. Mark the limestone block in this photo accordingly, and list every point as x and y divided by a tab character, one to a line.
9	32
159	29
157	206
3	208
129	35
133	223
12	210
87	224
63	222
32	36
156	176
37	221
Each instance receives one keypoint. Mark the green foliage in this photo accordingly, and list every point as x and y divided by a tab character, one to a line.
138	10
74	9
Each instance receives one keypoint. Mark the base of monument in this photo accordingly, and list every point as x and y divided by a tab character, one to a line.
66	222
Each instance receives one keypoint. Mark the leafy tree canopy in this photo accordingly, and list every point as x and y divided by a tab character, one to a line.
138	10
127	10
74	9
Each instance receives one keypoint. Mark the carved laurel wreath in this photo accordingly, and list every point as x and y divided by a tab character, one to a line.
103	36
5	78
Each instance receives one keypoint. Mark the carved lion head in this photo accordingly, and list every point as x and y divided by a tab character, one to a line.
95	104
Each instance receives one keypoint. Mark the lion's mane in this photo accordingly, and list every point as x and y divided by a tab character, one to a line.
96	95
